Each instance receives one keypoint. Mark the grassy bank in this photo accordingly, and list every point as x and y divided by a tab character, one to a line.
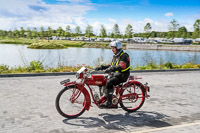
37	67
60	44
195	43
43	44
54	44
168	65
22	41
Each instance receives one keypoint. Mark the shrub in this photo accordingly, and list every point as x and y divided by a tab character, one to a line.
169	65
35	66
4	68
187	65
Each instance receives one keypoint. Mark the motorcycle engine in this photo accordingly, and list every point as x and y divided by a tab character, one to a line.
114	100
103	91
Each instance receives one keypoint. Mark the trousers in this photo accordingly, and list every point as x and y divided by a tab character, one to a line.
115	80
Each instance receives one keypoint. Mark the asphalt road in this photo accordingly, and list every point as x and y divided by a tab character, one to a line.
27	105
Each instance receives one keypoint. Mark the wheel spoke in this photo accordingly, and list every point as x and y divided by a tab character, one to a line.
70	102
132	98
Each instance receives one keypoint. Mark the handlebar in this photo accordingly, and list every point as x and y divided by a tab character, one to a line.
93	71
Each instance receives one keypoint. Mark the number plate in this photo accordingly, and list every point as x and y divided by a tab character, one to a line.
65	81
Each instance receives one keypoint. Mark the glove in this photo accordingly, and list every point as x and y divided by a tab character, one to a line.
98	68
108	70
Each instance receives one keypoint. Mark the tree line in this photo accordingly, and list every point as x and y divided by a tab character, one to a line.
174	30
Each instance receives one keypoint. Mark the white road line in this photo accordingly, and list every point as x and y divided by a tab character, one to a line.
169	127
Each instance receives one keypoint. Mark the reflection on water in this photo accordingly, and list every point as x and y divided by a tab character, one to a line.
15	55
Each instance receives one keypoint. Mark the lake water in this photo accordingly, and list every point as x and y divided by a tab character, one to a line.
19	55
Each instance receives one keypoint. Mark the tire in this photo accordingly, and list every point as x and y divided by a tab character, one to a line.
68	108
134	102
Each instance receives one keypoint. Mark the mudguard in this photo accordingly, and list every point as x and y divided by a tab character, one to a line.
85	92
134	82
145	88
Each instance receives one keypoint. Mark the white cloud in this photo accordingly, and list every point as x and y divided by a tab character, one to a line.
37	13
75	0
114	21
169	14
148	20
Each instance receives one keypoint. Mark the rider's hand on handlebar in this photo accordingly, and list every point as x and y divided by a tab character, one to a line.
98	68
108	70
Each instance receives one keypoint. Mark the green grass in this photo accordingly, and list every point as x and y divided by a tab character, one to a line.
47	45
60	44
22	41
37	67
195	43
168	65
54	44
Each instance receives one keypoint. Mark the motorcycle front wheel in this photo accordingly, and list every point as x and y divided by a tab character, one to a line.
133	98
70	102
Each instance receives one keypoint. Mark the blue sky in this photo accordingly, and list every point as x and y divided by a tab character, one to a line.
55	13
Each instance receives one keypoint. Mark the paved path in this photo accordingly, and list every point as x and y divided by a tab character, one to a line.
27	105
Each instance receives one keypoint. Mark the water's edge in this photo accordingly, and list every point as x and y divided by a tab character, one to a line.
100	72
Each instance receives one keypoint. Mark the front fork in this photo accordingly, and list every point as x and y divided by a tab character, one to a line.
81	88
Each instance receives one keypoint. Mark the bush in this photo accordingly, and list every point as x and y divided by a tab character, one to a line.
187	65
4	69
169	65
35	66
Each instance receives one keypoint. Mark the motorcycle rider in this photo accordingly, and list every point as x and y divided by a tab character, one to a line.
120	65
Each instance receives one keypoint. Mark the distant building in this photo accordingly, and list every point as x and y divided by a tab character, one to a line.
179	40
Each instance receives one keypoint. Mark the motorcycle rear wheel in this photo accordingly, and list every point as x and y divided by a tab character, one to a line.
70	102
134	102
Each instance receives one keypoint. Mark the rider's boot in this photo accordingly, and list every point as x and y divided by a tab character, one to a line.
108	103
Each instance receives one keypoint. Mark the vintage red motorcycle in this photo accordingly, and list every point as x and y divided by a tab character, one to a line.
74	99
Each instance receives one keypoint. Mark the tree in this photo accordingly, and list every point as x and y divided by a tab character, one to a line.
34	32
77	31
10	34
129	31
49	32
42	32
60	32
197	24
116	31
153	34
68	31
196	33
182	32
3	33
189	34
173	27
147	28
103	31
22	32
28	33
16	33
89	31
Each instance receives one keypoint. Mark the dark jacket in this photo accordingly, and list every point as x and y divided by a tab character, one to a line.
120	65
